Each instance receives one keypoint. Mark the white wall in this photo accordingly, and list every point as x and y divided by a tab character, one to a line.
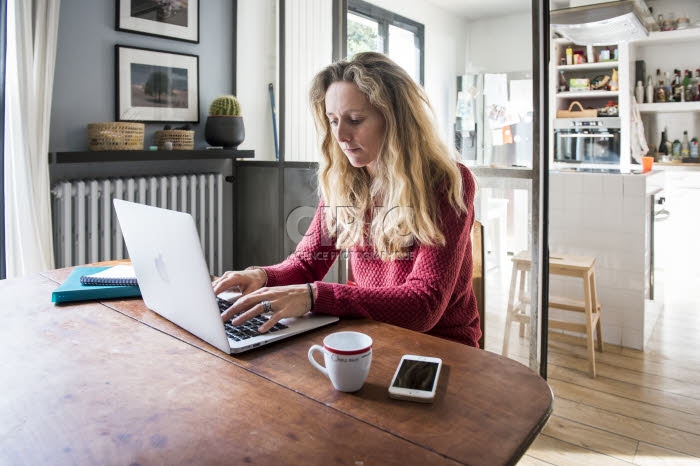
256	51
500	44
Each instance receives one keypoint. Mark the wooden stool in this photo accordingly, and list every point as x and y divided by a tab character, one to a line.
570	266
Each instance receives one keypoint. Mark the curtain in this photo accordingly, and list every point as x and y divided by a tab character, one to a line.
308	48
32	30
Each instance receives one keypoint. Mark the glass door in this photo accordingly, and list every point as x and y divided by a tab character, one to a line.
498	122
499	126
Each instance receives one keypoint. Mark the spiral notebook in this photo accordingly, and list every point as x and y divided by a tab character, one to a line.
123	275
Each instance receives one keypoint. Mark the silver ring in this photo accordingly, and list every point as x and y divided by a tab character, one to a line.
267	306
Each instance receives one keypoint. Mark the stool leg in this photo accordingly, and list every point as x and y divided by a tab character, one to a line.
522	307
511	309
589	321
594	306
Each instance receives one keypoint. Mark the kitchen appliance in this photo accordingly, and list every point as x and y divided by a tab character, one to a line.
587	140
603	23
494	119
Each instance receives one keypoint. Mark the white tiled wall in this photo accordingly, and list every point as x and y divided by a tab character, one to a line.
603	215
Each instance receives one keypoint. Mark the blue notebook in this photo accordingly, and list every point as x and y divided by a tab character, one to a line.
73	290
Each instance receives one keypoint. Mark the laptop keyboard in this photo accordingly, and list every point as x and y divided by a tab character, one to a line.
247	329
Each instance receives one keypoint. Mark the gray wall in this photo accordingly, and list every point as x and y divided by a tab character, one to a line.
84	84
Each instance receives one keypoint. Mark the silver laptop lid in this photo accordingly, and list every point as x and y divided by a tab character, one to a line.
167	256
174	280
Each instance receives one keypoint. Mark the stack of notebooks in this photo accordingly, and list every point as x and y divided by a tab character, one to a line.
93	283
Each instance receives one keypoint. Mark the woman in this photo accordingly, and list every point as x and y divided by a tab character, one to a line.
392	195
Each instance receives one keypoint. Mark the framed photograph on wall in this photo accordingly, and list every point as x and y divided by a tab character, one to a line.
154	86
174	19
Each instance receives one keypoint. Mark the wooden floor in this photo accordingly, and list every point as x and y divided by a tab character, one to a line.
644	407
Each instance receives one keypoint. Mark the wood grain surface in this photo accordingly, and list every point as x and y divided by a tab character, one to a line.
83	384
488	408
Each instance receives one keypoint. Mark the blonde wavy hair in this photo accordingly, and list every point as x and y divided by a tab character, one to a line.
414	167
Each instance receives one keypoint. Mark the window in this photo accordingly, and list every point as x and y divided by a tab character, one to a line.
371	28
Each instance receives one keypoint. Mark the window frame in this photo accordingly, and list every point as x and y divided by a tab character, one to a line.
386	18
3	46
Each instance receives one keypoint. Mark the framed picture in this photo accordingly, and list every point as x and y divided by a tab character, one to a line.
156	86
174	19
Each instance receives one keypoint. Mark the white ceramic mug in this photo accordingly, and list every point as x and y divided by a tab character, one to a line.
347	357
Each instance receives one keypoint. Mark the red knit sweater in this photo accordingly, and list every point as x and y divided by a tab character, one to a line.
430	291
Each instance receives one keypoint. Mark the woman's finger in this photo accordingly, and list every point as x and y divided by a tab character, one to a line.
246	316
244	306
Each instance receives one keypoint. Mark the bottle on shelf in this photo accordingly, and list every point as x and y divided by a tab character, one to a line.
660	89
614	86
563	85
685	145
676	149
663	145
676	87
639	92
694	148
569	56
687	86
660	93
667	86
649	97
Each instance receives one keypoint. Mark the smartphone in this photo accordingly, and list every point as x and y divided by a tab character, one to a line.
416	378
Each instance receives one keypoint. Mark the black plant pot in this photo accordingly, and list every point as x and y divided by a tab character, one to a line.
226	131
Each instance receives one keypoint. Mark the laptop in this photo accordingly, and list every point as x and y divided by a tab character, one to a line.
172	274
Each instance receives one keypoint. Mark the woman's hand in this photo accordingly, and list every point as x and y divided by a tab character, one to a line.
246	281
285	301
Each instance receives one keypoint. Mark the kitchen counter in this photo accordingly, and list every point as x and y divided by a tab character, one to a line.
609	216
677	166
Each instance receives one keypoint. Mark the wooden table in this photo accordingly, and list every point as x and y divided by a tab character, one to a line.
114	383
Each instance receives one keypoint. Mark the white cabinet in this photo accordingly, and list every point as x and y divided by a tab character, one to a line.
667	51
595	69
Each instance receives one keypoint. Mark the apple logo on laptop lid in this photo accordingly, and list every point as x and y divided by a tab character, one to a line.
161	268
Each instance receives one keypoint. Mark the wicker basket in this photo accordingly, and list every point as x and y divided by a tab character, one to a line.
580	113
182	139
115	136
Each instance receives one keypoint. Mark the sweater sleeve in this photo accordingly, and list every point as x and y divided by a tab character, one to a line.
420	301
313	257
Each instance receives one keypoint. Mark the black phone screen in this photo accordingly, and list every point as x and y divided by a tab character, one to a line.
416	375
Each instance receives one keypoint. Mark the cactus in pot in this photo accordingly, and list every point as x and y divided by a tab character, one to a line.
225	105
224	125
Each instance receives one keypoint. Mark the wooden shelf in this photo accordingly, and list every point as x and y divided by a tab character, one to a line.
147	155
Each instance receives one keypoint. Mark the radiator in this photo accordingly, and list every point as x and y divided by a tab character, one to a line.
86	228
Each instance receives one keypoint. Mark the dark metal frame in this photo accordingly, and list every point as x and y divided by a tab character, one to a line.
137	31
540	66
118	79
3	48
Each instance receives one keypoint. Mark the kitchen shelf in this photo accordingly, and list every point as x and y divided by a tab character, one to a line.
677	36
603	65
148	155
586	94
670	107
